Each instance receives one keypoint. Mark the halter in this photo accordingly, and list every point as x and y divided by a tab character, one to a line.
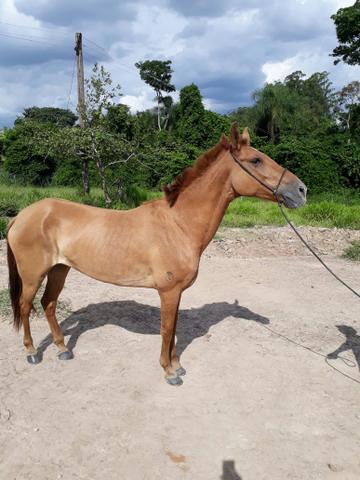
274	191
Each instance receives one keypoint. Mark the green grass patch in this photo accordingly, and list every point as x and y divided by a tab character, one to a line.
352	252
3	226
340	209
63	309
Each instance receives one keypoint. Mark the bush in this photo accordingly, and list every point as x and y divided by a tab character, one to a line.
3	227
8	208
352	252
309	160
26	155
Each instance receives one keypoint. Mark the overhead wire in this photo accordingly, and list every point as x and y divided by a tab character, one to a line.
29	39
35	28
71	84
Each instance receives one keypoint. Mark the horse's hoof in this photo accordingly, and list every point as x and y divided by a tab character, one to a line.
175	381
180	371
66	355
34	358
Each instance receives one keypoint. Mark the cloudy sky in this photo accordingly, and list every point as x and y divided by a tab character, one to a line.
227	47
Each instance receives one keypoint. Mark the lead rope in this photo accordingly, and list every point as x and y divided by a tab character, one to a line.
347	361
274	191
312	251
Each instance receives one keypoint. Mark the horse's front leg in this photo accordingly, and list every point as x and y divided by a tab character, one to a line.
169	309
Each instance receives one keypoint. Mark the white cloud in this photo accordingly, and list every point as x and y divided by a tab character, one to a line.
228	49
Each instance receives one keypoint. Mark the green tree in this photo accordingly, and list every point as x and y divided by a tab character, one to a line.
157	74
347	23
274	104
191	111
28	157
99	95
347	104
119	120
106	150
59	117
195	125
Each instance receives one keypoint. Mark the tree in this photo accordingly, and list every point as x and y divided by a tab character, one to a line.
318	91
105	149
58	117
347	23
274	104
348	102
157	74
99	95
28	156
119	120
191	112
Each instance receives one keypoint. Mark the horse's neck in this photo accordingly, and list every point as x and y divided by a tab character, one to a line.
202	205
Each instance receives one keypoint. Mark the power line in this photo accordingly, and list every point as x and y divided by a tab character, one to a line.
96	45
119	64
30	39
35	28
71	84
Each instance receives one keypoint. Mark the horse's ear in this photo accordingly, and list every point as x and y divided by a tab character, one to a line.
235	137
245	137
224	141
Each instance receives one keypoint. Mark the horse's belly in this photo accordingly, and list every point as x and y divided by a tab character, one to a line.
122	268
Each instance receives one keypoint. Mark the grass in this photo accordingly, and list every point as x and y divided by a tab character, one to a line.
341	209
63	309
352	252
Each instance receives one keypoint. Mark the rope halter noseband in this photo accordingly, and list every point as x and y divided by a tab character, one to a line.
273	190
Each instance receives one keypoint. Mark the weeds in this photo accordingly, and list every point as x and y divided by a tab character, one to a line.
352	252
341	209
63	309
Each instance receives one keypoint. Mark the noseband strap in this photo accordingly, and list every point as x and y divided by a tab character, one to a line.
271	189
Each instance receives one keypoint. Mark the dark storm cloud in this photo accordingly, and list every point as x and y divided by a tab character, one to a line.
77	12
17	51
212	8
222	46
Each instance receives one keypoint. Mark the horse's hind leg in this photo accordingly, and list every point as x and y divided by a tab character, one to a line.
27	296
55	283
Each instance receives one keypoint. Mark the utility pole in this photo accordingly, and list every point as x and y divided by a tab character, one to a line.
81	108
80	77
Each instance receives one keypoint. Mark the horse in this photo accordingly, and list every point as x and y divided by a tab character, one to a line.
156	245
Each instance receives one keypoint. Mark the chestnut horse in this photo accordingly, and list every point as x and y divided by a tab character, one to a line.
157	245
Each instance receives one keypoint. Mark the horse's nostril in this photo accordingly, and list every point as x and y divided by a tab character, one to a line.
302	190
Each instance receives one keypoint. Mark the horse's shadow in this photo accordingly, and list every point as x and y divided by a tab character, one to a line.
139	318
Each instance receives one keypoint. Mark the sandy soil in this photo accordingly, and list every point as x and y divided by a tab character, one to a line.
256	403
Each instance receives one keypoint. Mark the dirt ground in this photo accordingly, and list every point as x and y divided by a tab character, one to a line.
259	401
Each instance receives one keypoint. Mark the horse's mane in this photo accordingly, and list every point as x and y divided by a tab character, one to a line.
173	190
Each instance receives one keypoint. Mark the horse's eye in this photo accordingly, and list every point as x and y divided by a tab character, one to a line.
255	161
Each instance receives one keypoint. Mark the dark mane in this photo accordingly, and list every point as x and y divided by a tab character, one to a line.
173	190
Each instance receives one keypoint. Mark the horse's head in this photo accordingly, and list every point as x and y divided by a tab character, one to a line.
254	174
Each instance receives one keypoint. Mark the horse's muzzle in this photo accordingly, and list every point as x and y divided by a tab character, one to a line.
293	194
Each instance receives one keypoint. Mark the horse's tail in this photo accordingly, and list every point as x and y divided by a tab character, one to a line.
15	285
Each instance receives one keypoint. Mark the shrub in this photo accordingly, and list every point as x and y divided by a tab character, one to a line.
3	227
352	252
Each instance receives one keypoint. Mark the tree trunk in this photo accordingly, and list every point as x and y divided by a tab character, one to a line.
348	126
158	110
101	169
85	175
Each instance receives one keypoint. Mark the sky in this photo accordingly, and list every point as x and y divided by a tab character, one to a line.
228	48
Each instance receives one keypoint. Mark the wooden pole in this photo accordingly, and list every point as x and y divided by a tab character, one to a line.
81	108
80	77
